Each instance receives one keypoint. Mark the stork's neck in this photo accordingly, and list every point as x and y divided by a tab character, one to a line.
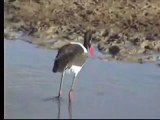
87	39
85	45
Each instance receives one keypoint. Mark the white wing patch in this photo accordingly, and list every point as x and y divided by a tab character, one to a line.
75	69
85	50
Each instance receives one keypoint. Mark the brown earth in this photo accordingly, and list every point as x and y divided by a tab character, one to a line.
126	29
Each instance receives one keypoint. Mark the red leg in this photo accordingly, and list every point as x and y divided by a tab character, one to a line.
70	95
71	90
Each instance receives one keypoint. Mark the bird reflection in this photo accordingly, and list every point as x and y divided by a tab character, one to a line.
59	101
70	109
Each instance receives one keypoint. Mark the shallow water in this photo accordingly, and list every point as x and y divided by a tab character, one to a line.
103	89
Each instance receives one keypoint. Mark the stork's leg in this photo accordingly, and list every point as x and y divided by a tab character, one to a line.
61	84
72	87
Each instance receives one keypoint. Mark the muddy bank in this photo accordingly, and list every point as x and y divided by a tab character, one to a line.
124	29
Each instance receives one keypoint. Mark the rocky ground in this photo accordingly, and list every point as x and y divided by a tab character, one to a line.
125	30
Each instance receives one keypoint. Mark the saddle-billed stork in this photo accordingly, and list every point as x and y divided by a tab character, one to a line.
71	57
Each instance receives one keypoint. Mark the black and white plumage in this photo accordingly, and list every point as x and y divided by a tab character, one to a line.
71	57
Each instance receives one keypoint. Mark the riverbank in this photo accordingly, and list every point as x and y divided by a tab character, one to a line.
126	30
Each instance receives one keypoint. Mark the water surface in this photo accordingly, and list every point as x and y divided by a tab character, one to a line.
103	89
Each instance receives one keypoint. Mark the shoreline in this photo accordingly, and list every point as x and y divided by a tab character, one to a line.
140	59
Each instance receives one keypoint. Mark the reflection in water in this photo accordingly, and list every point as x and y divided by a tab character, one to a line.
59	107
70	109
59	100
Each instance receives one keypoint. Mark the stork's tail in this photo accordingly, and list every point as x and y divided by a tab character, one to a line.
55	67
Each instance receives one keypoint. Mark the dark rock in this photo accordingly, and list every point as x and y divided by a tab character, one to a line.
32	31
135	41
114	36
148	47
140	60
89	12
114	50
105	33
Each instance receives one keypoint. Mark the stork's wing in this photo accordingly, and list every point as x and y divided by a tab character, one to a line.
69	50
65	55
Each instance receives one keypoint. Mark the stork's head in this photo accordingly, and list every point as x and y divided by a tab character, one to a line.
88	42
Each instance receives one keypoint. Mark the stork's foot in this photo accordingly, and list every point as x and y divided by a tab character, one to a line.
57	98
71	95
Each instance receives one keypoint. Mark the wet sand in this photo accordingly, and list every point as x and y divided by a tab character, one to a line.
103	89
